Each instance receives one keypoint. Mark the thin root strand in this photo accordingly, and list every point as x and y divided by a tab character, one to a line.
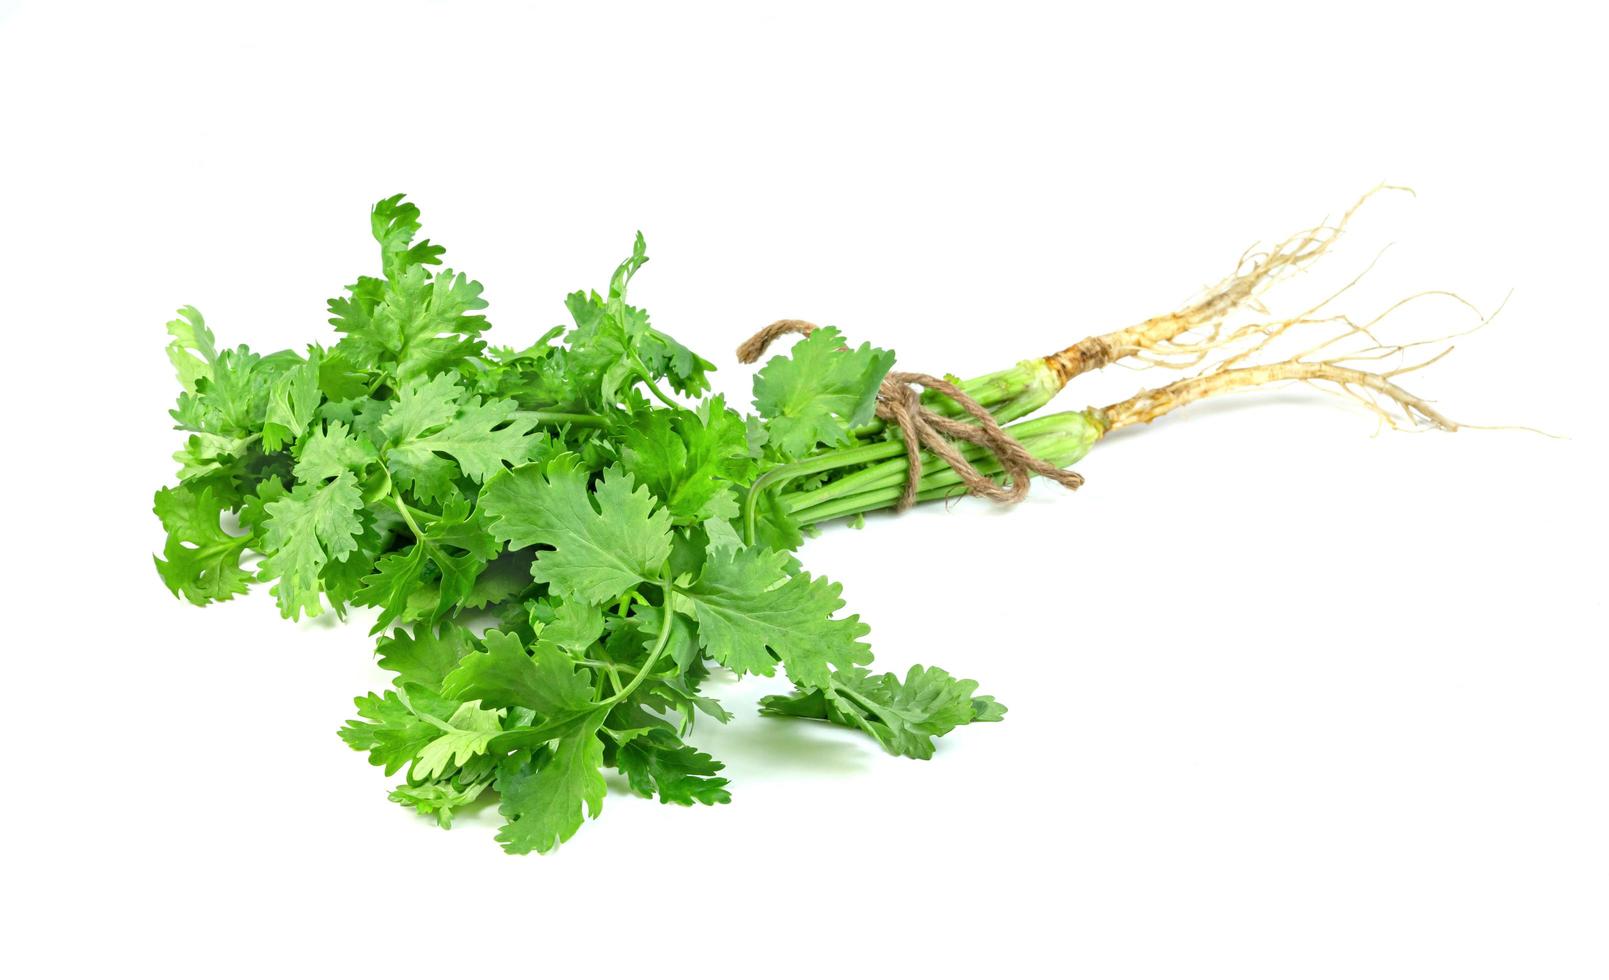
1155	339
1375	391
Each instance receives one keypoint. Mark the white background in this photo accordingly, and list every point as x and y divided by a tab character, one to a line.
1286	700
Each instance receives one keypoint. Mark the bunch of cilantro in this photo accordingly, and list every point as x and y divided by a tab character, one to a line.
548	535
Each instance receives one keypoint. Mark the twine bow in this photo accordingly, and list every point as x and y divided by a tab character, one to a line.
899	403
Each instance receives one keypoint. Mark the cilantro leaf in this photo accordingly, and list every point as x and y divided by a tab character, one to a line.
330	451
193	350
746	605
394	222
412	322
545	793
463	736
904	717
480	436
505	674
292	400
389	730
574	626
201	561
691	460
449	554
438	798
612	343
315	524
425	657
817	393
658	764
598	554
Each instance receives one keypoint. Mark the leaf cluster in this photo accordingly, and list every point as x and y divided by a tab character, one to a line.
548	536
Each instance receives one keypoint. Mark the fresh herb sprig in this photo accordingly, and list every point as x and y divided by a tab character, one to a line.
550	537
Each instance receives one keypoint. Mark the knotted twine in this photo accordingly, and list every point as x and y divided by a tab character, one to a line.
899	404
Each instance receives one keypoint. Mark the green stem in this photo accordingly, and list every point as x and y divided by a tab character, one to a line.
405	510
860	699
1063	446
647	379
605	664
667	615
1009	395
830	460
1019	390
892	472
421	512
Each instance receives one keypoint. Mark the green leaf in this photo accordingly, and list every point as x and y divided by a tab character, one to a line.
292	400
394	223
598	553
545	793
206	453
690	461
455	546
231	396
575	626
463	736
438	798
412	323
747	604
254	507
682	646
506	675
396	579
314	525
904	717
193	349
421	406
502	579
481	437
819	392
200	561
428	322
388	730
658	764
330	451
425	657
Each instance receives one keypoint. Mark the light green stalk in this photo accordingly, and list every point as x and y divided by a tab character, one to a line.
1062	439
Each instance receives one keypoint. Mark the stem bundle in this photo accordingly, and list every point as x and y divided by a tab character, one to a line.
873	473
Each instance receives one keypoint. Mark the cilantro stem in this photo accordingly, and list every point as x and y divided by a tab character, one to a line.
661	641
405	511
942	482
648	379
830	460
1035	434
860	699
421	512
605	664
657	393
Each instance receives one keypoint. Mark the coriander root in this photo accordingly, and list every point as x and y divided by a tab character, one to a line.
1156	340
1367	388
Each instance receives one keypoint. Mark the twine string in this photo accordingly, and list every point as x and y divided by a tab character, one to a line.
899	404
